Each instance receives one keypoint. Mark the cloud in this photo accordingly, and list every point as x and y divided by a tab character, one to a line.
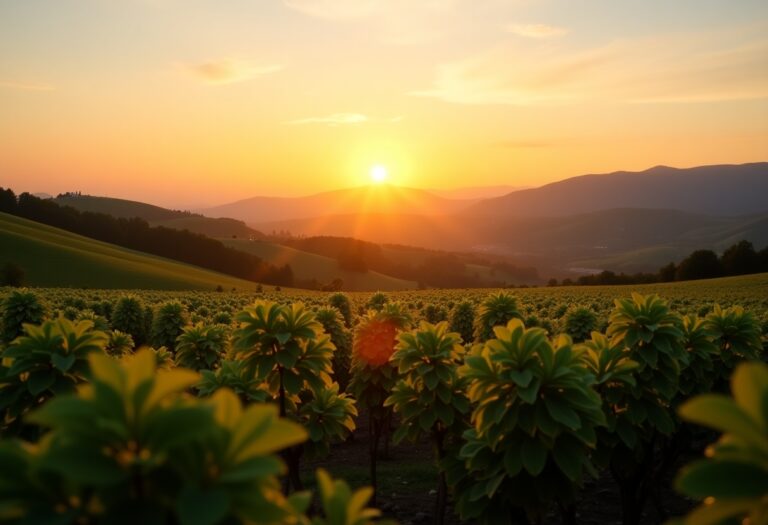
536	30
397	22
229	70
341	119
335	9
674	68
523	144
26	86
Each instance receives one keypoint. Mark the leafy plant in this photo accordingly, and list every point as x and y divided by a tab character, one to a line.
341	338
119	344
51	359
168	324
737	334
429	395
286	348
17	309
652	337
377	302
201	346
496	310
128	317
372	375
580	323
462	320
131	447
342	303
733	479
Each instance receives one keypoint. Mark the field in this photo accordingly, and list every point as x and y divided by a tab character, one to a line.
205	331
308	266
54	257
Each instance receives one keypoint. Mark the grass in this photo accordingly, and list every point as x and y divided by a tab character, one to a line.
307	265
54	257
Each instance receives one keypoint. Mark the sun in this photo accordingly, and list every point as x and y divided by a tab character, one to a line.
378	173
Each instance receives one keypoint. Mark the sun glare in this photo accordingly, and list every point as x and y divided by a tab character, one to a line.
378	173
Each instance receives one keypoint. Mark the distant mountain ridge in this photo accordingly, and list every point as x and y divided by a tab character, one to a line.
711	190
365	199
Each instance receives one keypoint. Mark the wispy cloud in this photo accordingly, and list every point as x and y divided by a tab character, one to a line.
523	144
341	119
674	68
26	86
335	9
398	22
230	70
536	30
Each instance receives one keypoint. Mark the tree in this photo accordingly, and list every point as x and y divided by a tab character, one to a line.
701	264
667	273
11	275
7	201
740	259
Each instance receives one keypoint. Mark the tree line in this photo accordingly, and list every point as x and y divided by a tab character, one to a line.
137	234
437	268
739	259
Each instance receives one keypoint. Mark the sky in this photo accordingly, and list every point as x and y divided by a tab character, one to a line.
187	103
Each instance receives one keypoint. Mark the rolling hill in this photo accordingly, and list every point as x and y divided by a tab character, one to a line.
383	199
307	266
158	216
53	257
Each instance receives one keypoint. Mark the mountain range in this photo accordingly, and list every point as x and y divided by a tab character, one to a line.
624	221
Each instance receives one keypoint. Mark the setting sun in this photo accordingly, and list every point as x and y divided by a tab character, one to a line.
378	173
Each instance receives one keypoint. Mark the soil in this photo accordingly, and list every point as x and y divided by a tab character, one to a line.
408	479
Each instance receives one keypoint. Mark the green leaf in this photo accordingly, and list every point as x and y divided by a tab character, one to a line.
202	506
534	456
40	380
562	413
83	464
63	362
721	413
723	479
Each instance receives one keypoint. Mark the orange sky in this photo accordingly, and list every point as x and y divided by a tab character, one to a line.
198	102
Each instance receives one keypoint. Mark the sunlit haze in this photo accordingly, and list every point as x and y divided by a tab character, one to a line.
198	102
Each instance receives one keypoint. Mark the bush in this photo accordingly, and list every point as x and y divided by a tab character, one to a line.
580	323
17	309
201	347
168	325
128	317
341	302
463	321
51	359
497	310
534	416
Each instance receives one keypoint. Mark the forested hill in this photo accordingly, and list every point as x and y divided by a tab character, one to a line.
137	234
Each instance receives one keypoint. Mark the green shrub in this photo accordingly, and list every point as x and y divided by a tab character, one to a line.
496	310
341	302
19	308
201	347
580	323
128	317
51	359
462	321
333	325
534	416
168	325
429	394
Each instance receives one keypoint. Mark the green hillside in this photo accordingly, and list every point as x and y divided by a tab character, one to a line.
157	216
307	266
53	257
